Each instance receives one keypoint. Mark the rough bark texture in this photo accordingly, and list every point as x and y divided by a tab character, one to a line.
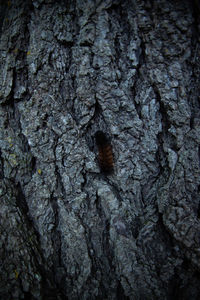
130	69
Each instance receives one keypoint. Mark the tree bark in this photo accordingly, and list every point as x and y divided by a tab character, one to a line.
131	70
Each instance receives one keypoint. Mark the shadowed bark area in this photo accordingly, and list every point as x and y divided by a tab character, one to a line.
131	70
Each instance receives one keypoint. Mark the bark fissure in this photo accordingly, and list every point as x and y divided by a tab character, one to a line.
129	69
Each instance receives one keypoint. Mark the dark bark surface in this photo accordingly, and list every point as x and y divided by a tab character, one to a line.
131	70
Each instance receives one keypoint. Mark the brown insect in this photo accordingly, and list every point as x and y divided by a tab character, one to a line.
105	152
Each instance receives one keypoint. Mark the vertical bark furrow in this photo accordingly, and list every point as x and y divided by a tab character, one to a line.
69	69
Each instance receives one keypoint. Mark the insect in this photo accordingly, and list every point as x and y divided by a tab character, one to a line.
105	152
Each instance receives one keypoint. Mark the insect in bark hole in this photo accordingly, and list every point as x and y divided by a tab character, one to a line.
105	155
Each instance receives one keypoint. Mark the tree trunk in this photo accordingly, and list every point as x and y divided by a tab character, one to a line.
131	70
